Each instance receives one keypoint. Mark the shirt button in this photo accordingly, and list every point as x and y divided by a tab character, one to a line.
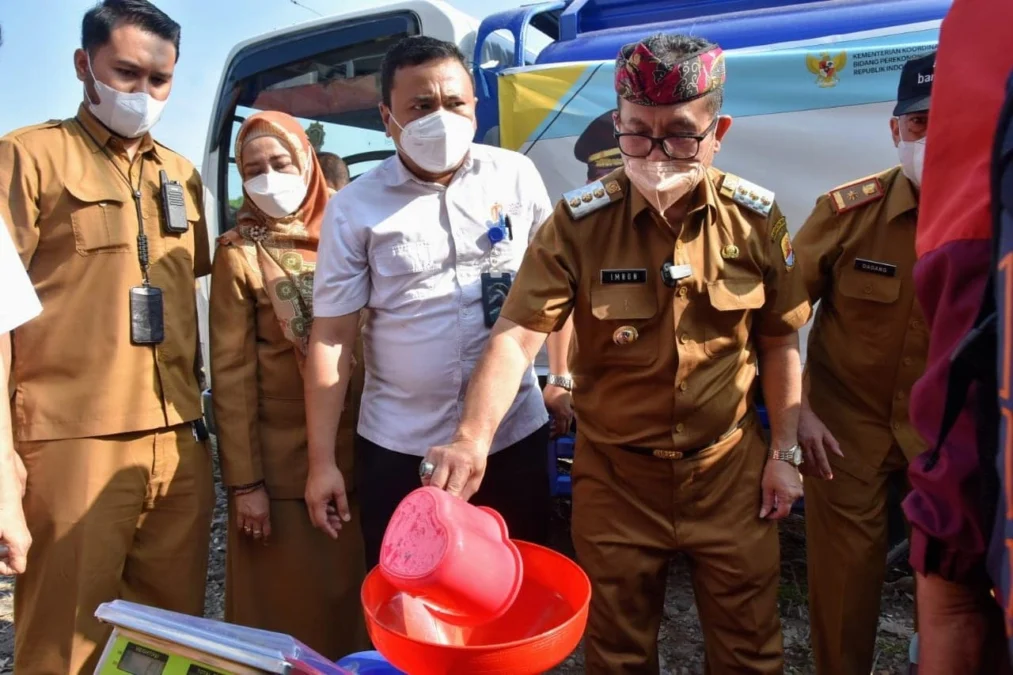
683	339
682	291
867	290
683	386
679	428
916	324
907	360
896	425
678	246
900	396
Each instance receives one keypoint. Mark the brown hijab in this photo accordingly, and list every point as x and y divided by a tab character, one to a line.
283	251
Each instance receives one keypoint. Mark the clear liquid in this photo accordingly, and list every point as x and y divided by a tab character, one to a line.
537	610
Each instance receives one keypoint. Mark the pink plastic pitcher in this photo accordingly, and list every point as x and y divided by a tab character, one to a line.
455	557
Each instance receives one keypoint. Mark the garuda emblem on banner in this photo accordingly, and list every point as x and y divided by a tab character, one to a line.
826	67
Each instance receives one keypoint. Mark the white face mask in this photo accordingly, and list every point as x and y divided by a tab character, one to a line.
277	194
127	115
663	183
912	159
437	142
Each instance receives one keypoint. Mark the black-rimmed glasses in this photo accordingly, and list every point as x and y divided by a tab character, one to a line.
676	146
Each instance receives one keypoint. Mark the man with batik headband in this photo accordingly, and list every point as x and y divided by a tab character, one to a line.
261	314
678	278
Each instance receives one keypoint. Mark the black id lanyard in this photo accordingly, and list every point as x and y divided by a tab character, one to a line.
146	305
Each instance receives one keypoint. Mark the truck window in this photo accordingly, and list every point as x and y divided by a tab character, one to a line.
333	94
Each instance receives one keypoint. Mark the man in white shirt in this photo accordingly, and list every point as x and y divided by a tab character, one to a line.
20	304
425	241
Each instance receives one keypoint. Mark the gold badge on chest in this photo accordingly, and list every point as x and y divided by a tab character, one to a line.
730	252
625	335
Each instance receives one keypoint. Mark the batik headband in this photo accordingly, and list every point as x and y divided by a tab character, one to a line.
642	78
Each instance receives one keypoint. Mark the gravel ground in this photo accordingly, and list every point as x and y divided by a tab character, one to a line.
681	641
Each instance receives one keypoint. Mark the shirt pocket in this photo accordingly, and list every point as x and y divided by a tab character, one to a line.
101	220
866	303
864	286
409	268
175	244
618	309
731	301
192	218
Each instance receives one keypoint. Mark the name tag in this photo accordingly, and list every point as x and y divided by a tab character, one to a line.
623	277
874	267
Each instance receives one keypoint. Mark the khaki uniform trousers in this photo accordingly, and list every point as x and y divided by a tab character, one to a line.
632	512
119	517
300	582
846	547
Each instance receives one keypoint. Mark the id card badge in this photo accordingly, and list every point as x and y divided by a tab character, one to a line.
495	286
147	325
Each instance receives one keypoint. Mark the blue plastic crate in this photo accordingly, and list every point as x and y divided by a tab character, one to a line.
562	447
368	663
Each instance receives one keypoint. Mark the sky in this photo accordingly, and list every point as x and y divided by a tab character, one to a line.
40	36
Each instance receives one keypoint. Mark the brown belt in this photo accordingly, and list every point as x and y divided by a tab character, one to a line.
682	454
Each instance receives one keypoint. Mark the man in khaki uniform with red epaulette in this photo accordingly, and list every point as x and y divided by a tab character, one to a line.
869	341
107	403
679	280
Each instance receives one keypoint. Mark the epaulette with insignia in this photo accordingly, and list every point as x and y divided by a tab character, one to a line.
592	197
853	195
749	195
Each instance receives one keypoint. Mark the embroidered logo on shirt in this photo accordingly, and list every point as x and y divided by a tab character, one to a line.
779	235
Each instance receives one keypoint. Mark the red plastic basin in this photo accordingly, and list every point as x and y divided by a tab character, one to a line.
542	627
455	557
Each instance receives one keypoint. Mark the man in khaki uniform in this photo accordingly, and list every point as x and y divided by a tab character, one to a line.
679	280
868	344
597	147
119	488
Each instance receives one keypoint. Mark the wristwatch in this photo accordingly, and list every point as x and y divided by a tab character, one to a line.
563	381
792	455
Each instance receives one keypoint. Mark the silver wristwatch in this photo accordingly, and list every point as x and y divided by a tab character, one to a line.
792	455
563	381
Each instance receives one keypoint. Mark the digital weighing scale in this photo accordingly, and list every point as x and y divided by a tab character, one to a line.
149	641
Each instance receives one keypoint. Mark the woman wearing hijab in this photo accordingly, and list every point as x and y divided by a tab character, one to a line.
282	574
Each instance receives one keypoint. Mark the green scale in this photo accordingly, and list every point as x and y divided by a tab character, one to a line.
150	641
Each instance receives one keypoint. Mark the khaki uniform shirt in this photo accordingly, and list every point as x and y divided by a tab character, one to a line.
260	413
668	368
869	340
74	223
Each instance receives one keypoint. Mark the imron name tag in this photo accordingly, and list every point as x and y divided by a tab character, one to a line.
630	276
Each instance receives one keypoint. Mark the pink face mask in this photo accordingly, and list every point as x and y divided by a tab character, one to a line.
664	183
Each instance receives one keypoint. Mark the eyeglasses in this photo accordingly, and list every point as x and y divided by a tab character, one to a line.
676	146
